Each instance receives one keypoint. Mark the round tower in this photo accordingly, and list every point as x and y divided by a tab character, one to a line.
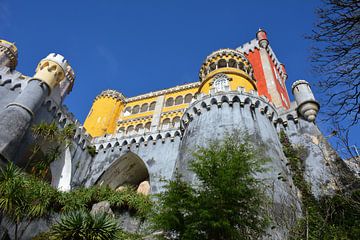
308	107
8	54
17	116
104	113
226	70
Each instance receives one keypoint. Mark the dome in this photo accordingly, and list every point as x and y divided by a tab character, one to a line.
225	58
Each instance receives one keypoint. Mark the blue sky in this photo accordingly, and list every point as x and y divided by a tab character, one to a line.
139	46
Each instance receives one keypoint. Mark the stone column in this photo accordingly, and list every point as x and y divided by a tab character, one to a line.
157	113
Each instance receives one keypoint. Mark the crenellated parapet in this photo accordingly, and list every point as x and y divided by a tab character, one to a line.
234	99
124	141
8	54
63	118
111	94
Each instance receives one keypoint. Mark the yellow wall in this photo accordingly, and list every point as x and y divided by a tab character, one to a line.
103	116
238	79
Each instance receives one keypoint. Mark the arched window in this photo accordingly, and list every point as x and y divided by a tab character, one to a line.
176	121
135	109
178	100
241	66
127	111
232	63
121	130
139	127
188	98
212	67
222	63
152	106
130	129
144	107
169	102
165	124
147	126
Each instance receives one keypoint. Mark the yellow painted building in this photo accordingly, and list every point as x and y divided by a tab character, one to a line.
223	70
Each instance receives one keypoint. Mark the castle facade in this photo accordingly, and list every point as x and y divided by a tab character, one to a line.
145	139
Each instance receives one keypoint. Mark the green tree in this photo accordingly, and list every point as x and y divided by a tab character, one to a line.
12	195
336	58
226	204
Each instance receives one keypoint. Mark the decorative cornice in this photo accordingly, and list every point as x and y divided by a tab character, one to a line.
165	91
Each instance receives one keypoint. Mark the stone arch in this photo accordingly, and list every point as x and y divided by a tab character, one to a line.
213	101
129	169
139	128
147	126
236	99
130	129
165	124
224	99
176	121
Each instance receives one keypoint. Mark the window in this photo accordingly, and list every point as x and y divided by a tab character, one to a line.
169	102
222	63
144	107
188	98
136	109
152	106
127	111
221	84
178	100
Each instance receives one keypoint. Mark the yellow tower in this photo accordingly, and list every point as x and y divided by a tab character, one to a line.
104	113
8	54
226	70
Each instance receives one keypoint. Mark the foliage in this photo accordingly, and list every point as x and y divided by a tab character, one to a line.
91	150
48	139
228	202
83	225
23	196
331	217
336	57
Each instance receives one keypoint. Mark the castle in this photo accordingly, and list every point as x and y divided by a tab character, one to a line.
145	139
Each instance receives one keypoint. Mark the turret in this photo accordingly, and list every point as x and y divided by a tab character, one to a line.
17	116
8	54
226	70
262	38
307	107
104	113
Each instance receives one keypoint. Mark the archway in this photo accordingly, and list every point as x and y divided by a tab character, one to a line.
129	169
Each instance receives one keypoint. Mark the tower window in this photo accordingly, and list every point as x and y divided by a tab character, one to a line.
221	83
